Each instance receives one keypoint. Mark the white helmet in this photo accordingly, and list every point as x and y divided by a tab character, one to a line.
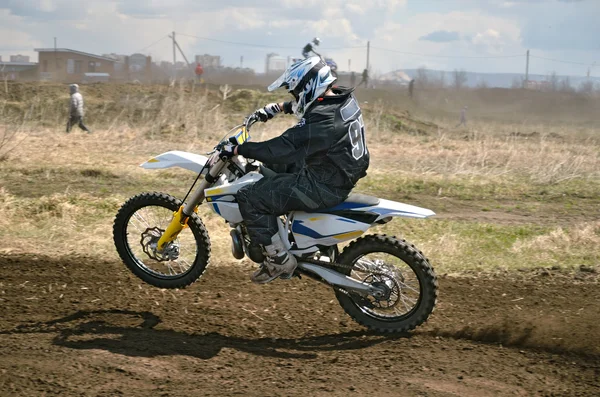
316	41
306	79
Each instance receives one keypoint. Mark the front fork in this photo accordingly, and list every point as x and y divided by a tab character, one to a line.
181	216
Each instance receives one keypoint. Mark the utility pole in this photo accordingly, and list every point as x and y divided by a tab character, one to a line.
55	61
174	55
241	62
368	53
527	69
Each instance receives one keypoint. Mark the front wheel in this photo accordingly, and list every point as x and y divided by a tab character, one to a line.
138	226
397	268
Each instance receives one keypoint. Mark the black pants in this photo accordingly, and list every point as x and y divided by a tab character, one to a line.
76	120
262	202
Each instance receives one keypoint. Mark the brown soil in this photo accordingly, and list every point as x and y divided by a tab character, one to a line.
85	326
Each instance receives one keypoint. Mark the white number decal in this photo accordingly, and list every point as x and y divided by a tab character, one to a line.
356	132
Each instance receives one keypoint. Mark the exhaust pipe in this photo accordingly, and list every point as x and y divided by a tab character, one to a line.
341	280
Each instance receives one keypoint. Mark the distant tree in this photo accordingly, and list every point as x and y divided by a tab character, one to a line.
553	80
565	85
459	79
517	82
422	76
482	84
587	87
442	79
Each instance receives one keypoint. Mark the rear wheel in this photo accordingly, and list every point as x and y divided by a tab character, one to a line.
399	269
138	226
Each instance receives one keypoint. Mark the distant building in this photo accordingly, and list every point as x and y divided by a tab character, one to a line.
19	58
538	85
18	70
396	77
137	62
209	61
275	63
119	64
116	57
66	65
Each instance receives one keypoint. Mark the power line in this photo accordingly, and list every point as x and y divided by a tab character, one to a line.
156	42
261	45
447	56
558	60
362	47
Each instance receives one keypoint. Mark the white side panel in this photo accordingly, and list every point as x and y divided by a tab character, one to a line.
310	229
388	208
229	211
175	158
221	199
232	188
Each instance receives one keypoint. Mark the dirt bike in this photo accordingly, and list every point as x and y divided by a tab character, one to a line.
383	283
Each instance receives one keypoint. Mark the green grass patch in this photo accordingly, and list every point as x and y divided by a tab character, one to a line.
457	246
406	186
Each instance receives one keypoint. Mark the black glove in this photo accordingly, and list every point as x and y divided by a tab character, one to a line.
227	148
268	112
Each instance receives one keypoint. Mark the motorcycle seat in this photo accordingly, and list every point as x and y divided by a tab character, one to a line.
354	199
358	198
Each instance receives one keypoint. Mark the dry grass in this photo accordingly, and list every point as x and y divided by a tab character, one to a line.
59	193
586	234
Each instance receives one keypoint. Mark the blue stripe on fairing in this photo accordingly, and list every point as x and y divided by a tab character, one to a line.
300	228
345	220
216	207
345	206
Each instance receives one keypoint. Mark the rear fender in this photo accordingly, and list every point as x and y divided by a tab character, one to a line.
388	208
175	158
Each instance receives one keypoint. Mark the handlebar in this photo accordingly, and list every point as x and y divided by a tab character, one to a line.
250	120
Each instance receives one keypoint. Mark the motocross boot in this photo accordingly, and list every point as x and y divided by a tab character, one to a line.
278	263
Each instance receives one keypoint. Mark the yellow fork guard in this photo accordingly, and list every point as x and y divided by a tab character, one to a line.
173	229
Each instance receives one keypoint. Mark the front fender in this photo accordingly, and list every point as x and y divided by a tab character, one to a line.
175	158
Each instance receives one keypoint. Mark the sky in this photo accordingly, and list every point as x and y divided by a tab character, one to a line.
474	35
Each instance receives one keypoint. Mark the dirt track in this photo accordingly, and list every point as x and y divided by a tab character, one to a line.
86	327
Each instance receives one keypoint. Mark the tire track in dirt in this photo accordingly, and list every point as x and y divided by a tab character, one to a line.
84	326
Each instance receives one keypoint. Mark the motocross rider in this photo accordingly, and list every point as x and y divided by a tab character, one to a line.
328	141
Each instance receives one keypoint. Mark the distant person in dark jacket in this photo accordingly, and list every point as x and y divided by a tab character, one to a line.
308	48
463	117
411	88
76	109
365	78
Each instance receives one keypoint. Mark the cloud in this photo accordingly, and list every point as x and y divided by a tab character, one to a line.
44	10
441	36
567	26
455	29
553	25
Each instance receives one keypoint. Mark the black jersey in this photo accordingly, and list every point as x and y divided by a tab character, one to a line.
329	140
306	50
